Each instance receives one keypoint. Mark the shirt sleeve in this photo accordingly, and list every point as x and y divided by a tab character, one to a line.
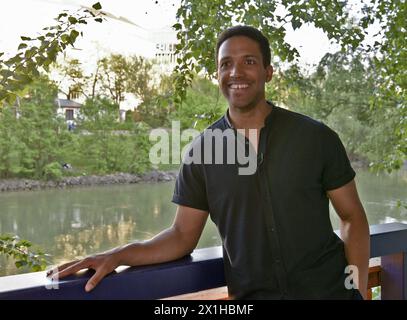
190	190
337	170
190	186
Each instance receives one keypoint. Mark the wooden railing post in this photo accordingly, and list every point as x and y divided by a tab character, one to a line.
375	270
394	277
389	241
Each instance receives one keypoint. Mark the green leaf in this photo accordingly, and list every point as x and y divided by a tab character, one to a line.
99	20
29	53
36	268
6	73
65	38
72	20
20	263
40	60
73	35
22	46
177	26
296	23
35	72
24	243
24	38
61	15
97	6
23	79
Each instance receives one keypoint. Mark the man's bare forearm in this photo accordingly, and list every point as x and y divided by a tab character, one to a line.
173	243
355	234
166	246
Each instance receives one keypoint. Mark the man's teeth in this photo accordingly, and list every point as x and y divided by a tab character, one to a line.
239	86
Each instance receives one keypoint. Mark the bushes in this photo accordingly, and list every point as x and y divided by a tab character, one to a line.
203	105
102	144
20	250
31	136
52	171
342	92
111	153
35	142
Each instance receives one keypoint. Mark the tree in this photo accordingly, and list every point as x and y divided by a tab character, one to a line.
199	23
72	79
106	150
342	93
34	55
20	250
157	108
35	140
37	54
139	78
389	61
202	105
113	77
120	74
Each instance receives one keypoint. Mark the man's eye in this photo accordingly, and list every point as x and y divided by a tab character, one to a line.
224	64
250	61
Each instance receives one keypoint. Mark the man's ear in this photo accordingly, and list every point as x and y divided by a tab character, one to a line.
269	73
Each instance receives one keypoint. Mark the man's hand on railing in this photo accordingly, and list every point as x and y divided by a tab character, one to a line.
172	243
103	264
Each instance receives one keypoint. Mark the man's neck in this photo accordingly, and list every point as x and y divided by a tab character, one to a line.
250	119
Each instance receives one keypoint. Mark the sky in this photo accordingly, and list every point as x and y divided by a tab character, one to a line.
150	20
150	23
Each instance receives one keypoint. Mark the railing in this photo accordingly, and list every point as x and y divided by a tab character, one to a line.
389	241
192	276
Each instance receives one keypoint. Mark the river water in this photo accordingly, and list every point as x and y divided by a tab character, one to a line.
77	222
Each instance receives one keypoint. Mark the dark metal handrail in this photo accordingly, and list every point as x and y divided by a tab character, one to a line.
201	270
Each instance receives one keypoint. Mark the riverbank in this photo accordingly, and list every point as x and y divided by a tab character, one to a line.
93	180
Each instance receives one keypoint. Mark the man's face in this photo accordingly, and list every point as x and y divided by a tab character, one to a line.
241	72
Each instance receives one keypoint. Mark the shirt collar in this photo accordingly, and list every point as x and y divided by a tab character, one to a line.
227	119
267	121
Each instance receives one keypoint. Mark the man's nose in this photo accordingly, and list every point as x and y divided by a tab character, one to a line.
236	70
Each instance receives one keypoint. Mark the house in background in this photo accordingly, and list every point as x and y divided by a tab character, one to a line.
69	106
69	109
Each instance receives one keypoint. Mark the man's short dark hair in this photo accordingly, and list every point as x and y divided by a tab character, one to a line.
251	33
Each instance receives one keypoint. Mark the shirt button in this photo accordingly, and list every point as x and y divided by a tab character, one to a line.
278	260
272	229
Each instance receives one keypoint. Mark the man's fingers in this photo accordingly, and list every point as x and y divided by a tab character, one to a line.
97	263
93	282
61	267
72	269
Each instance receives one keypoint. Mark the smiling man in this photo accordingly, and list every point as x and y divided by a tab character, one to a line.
277	237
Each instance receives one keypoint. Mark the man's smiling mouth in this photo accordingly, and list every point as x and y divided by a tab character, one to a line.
239	86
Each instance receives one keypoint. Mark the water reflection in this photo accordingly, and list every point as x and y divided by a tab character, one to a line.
96	238
77	222
380	194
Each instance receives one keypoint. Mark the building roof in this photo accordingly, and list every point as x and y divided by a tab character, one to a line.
65	103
